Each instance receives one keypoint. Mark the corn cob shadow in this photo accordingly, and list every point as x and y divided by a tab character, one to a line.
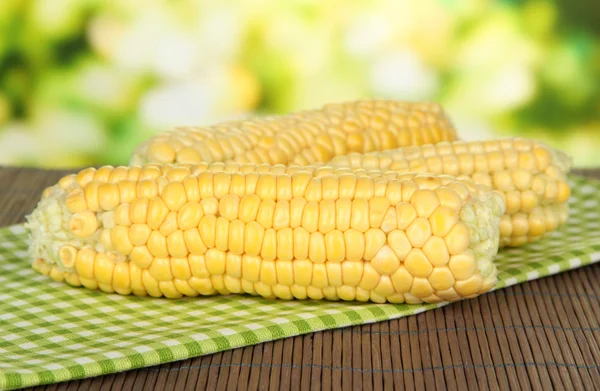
285	232
531	177
303	138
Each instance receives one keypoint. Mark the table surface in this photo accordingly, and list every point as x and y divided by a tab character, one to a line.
543	334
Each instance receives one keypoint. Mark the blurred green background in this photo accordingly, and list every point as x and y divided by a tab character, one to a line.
84	81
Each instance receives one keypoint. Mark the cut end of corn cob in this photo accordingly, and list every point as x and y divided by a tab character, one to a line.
279	232
303	138
531	177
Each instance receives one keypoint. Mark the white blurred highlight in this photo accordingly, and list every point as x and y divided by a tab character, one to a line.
403	75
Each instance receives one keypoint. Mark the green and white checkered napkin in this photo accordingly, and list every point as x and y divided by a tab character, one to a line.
50	332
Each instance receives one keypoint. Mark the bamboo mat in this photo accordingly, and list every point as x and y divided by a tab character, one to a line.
543	334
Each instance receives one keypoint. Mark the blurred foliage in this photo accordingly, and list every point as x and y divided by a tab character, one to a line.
84	81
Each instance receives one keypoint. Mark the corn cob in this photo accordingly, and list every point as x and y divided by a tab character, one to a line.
530	176
302	138
276	231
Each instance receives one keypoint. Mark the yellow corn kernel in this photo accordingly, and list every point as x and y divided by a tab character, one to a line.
405	214
157	244
359	219
364	188
251	268
83	224
398	241
264	290
417	263
334	274
76	202
103	269
385	287
121	279
436	251
84	263
222	234
347	186
108	196
236	237
421	288
334	245
316	248
378	208
441	278
425	202
192	191
463	265
150	284
319	276
174	196
374	240
294	243
203	286
529	200
189	216
193	241
90	192
207	229
139	234
157	212
160	269
300	182
147	188
66	181
402	280
215	261
354	242
457	240
370	277
229	206
442	220
198	266
352	272
184	288
386	261
135	278
127	190
221	183
89	283
469	287
279	244
418	232
72	279
176	244
138	210
233	266
232	285
281	217
121	215
85	176
266	212
56	274
297	206
310	217
120	240
180	268
141	256
254	235
266	187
